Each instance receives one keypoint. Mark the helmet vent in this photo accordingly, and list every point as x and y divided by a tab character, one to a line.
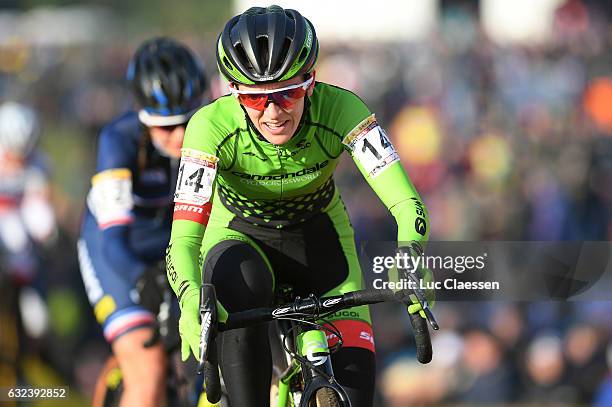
242	56
303	55
262	45
166	66
227	63
283	54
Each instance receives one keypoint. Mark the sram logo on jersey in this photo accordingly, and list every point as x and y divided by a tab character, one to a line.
195	213
355	333
305	171
420	225
188	208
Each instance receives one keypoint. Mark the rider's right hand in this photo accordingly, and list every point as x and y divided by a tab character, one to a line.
189	323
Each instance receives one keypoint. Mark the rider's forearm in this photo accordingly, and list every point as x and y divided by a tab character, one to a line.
182	256
412	220
399	195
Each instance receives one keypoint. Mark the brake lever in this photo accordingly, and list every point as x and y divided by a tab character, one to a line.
208	317
423	300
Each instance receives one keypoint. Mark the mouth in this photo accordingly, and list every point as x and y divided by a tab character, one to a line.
276	128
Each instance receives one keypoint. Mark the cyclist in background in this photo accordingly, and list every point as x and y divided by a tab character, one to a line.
126	225
268	152
26	214
27	223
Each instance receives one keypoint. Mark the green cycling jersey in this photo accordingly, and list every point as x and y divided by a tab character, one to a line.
225	160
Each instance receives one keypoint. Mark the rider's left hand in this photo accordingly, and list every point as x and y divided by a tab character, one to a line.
425	279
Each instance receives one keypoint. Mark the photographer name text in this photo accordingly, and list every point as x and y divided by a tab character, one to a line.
448	284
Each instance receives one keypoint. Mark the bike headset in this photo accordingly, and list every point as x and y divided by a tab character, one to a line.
168	82
264	45
19	128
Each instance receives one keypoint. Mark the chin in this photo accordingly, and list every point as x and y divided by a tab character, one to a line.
278	139
170	152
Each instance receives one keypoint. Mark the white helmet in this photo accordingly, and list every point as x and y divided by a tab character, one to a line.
18	128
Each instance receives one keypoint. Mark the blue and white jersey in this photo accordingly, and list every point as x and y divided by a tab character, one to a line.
132	178
127	223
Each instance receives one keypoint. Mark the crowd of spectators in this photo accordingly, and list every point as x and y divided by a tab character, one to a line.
504	142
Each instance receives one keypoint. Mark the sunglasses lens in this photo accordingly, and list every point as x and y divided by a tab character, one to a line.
295	93
287	98
283	98
171	127
254	101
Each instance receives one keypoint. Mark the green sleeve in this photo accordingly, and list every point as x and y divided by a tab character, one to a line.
384	174
399	195
182	256
183	260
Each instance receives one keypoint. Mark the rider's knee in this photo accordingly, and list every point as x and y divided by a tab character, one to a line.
143	367
355	367
240	274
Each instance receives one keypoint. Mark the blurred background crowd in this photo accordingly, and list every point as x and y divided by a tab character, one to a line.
501	112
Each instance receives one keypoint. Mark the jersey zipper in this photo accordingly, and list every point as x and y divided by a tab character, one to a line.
280	161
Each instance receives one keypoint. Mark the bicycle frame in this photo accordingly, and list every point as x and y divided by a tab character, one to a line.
312	345
285	397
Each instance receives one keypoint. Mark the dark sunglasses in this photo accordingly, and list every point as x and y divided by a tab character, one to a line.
171	127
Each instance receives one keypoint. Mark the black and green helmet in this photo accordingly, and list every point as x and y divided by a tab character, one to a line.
266	45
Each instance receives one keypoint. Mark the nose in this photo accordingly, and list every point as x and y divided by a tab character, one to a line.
178	133
272	108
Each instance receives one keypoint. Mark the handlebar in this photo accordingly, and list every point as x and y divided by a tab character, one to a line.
311	308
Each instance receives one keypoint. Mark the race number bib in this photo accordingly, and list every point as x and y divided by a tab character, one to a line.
194	185
370	146
110	198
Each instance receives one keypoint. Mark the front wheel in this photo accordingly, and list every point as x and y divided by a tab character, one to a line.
326	397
